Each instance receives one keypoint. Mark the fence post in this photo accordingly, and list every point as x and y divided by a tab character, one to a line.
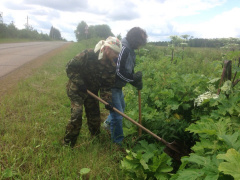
226	74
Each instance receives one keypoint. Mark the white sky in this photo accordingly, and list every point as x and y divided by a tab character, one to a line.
160	18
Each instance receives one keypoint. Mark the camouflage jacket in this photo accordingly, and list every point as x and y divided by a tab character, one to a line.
85	68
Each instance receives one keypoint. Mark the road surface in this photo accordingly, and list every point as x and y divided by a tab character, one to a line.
14	55
19	61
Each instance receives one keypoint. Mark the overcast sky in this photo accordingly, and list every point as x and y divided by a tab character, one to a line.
160	18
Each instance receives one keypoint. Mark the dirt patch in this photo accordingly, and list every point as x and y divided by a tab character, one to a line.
9	81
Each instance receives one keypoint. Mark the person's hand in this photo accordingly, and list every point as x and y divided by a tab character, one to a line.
137	77
137	80
82	88
139	85
109	106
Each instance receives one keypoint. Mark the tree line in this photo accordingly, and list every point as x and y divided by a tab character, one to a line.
187	40
11	31
83	31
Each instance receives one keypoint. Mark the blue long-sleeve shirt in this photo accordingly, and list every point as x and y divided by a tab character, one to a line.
125	65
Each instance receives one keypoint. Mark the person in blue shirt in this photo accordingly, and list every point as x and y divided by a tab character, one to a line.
135	38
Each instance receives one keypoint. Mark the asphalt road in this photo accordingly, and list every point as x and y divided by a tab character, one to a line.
14	55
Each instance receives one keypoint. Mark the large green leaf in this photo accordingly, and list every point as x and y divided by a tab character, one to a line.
190	174
233	141
203	127
207	164
211	174
140	174
232	164
200	160
84	171
147	150
129	164
144	164
229	105
155	164
227	87
160	164
161	176
211	169
164	167
222	125
206	145
209	126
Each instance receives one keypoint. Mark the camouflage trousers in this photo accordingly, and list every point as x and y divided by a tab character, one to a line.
78	100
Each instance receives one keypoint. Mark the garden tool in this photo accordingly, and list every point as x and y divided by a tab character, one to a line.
174	150
140	114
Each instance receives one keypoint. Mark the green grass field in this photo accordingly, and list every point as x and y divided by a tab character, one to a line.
32	125
34	114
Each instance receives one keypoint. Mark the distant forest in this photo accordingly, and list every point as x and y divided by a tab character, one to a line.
83	31
11	31
198	42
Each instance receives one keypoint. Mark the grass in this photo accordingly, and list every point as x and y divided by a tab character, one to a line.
32	124
34	115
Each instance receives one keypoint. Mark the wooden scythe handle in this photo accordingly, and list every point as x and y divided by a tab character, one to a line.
140	113
130	119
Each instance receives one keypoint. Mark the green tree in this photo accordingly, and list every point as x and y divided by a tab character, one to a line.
119	36
103	31
3	30
91	32
80	31
55	34
12	30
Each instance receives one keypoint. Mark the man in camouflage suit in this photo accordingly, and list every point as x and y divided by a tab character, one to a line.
93	70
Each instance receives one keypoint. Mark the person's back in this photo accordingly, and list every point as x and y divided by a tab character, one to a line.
86	68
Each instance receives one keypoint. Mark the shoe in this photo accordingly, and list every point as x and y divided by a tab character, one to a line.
106	125
67	144
119	148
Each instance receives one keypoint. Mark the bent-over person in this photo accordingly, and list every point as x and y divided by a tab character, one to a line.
92	70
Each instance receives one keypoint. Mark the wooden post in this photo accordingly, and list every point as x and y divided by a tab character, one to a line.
226	74
140	113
